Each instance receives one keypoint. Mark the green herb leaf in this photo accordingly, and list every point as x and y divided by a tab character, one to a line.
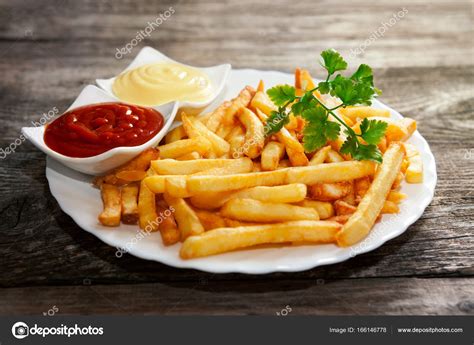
276	121
324	87
333	61
368	152
372	130
281	94
318	129
357	89
307	101
363	73
349	146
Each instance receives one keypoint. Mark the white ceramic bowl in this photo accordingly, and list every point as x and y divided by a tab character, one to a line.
217	74
100	164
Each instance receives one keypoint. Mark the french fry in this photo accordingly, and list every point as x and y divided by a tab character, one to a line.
147	216
333	157
215	119
257	211
199	184
397	130
254	135
277	194
382	145
410	125
189	156
330	172
360	112
219	145
224	129
150	172
320	156
188	221
175	134
396	196
297	158
362	221
233	223
262	102
361	186
182	147
168	228
390	207
156	183
350	198
139	163
324	209
292	124
294	148
347	120
175	167
210	220
414	172
130	175
343	208
304	81
230	169
341	219
241	101
210	200
261	86
176	186
236	142
227	239
398	180
129	203
236	130
271	155
110	216
330	191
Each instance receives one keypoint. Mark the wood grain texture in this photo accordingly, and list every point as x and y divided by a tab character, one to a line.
424	63
328	297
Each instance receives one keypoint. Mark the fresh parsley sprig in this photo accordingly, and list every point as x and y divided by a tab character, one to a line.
358	89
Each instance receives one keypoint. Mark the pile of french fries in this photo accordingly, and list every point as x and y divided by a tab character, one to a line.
227	185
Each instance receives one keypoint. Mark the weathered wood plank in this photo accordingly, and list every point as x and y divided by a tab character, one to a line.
236	31
310	297
50	50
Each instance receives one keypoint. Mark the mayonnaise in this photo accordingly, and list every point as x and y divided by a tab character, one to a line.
162	82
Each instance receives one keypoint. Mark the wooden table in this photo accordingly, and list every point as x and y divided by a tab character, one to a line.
424	63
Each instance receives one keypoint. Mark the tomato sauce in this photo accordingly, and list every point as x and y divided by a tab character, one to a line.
94	129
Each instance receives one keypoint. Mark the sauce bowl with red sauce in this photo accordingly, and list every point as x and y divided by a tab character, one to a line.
97	133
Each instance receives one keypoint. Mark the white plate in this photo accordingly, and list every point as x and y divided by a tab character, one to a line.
82	202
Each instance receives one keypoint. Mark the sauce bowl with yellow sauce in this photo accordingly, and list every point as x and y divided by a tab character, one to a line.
153	79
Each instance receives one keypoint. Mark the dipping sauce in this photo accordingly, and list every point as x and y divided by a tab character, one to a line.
94	129
162	82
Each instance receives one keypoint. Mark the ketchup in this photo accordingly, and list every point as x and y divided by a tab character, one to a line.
94	129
